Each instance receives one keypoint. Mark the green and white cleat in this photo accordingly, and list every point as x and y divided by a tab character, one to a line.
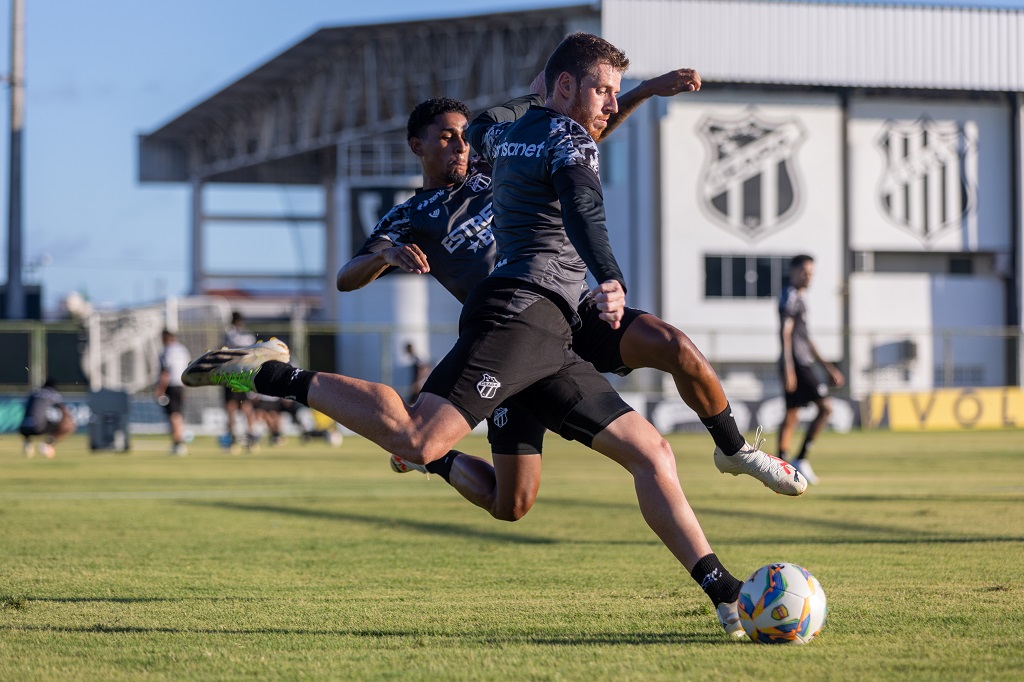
234	367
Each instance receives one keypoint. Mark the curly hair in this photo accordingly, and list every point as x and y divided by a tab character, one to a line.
580	52
425	113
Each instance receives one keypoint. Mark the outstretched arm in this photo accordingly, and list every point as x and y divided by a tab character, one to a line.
665	85
365	268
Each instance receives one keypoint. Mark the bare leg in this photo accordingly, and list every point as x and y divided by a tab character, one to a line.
651	342
421	433
820	420
177	428
634	443
506	490
787	429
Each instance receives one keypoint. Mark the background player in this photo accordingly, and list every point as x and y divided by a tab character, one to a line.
797	366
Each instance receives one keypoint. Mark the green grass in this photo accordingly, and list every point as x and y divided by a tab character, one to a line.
307	562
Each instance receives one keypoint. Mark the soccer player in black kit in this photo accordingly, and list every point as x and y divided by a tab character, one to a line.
516	328
445	229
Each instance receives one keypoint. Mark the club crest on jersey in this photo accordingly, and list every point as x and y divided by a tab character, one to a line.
500	417
488	386
436	212
478	182
749	183
930	183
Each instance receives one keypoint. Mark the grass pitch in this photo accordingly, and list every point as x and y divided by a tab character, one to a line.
311	562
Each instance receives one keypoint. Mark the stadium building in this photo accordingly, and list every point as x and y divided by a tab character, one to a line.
884	140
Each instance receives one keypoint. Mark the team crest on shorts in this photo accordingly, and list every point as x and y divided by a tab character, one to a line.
487	386
500	417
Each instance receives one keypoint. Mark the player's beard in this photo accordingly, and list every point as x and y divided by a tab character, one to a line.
579	113
456	177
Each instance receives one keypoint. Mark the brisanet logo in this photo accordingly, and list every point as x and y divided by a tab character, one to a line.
518	149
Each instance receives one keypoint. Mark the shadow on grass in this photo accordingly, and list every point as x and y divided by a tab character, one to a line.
385	521
801	526
588	639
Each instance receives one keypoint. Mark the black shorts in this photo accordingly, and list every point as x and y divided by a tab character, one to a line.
809	387
512	429
514	340
597	343
49	428
174	399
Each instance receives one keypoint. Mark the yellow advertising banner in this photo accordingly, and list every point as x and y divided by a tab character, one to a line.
947	409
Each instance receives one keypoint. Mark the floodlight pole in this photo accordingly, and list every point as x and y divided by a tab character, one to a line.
16	81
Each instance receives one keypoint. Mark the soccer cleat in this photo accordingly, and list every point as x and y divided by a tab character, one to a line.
46	450
773	472
179	450
804	467
402	466
234	367
729	617
29	448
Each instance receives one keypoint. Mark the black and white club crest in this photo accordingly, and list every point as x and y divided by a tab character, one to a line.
749	182
930	182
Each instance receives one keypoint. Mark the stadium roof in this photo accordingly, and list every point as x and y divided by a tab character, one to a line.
283	121
823	44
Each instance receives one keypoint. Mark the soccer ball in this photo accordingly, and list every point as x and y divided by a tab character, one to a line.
782	604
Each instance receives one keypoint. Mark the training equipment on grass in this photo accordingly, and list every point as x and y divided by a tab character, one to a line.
782	604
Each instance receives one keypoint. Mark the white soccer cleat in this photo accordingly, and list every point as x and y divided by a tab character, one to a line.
804	467
729	617
28	448
402	466
234	367
776	474
47	450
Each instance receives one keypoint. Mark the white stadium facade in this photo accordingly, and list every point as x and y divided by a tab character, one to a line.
883	140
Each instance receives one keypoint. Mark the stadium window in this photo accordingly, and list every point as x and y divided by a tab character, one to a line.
960	265
754	277
713	276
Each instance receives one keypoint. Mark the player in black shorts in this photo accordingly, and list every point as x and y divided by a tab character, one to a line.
798	367
445	229
515	331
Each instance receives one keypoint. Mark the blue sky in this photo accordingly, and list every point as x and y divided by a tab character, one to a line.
98	74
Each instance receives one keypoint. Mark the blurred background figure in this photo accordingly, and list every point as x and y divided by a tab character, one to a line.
237	336
170	392
46	416
798	366
420	372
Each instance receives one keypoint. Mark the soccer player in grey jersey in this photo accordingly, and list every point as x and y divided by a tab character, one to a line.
445	229
515	340
797	367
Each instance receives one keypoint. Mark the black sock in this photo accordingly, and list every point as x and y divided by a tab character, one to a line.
716	582
724	431
805	449
281	380
443	467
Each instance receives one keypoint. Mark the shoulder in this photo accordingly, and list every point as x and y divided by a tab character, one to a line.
571	145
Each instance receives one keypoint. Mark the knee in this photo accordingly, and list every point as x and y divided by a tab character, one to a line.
825	409
514	511
688	360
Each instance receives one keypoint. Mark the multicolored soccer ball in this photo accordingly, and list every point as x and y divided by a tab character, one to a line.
782	604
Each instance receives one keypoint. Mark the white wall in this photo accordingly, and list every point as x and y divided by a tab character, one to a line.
806	140
969	140
888	309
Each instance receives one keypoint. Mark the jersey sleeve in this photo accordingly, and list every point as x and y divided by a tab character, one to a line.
789	305
486	128
394	229
573	158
